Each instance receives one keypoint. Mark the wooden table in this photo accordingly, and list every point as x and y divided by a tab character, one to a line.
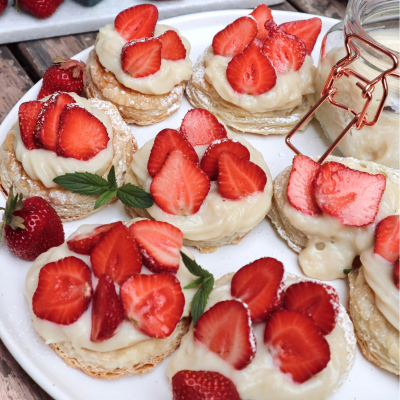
21	66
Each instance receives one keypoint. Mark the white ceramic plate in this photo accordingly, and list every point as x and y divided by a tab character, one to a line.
366	381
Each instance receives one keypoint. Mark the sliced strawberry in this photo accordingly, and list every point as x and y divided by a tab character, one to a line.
396	272
80	135
159	244
225	329
317	300
300	190
86	242
137	22
201	127
307	30
296	345
46	132
261	14
387	238
64	291
209	162
141	57
238	178
326	170
235	37
260	285
27	117
166	141
107	312
172	46
153	303
351	196
181	186
203	385
116	255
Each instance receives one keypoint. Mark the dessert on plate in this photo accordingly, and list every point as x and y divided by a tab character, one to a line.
140	66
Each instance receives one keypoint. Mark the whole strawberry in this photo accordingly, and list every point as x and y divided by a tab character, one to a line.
3	5
64	76
31	227
39	8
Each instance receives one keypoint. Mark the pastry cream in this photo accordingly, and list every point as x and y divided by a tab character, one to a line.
45	165
108	48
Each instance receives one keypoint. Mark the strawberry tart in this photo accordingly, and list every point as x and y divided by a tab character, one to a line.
256	76
140	66
266	332
210	183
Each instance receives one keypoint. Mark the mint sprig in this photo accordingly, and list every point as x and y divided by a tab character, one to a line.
205	282
90	184
346	271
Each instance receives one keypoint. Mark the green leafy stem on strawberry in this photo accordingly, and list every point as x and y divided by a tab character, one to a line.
14	203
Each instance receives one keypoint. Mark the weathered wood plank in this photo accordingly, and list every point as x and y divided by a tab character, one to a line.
284	7
328	8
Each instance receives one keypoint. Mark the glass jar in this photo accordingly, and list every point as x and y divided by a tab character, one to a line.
377	21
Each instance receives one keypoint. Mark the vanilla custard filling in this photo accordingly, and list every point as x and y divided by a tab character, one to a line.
286	94
78	333
109	46
45	165
261	379
217	217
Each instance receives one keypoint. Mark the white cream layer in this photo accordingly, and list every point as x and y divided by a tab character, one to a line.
108	48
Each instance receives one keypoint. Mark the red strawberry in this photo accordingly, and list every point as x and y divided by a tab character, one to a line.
141	57
387	238
80	135
172	46
300	190
201	127
116	255
202	385
225	329
46	131
86	242
107	312
27	116
31	227
153	303
39	8
166	141
3	5
351	196
181	186
159	244
396	273
286	52
296	345
238	178
209	162
307	30
317	300
64	291
235	37
261	14
260	285
251	72
137	22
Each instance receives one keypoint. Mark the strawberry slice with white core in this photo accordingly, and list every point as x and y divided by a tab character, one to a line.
64	291
317	300
137	22
251	72
166	141
239	178
396	273
107	312
387	238
300	190
27	117
142	57
209	161
261	14
260	285
296	345
172	46
181	186
235	37
201	127
159	243
225	329
153	303
116	255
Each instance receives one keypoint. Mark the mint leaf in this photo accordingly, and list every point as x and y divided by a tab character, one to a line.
84	183
194	268
104	198
112	181
200	299
134	196
346	271
195	283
